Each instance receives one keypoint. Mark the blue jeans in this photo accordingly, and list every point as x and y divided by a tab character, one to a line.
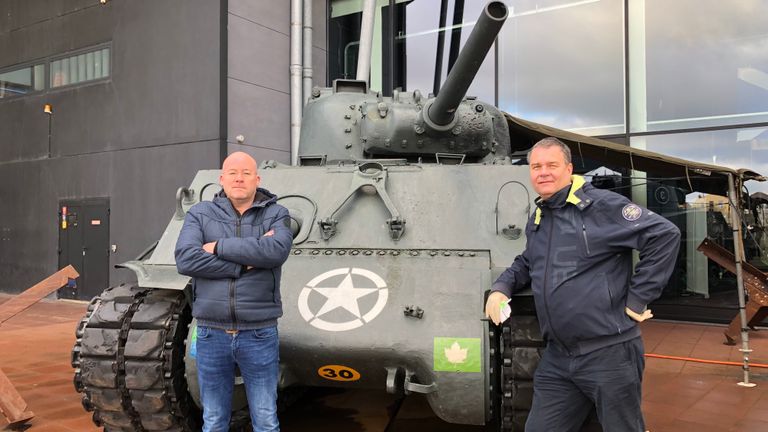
565	388
256	353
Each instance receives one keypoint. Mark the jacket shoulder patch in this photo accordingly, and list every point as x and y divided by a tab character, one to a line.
631	212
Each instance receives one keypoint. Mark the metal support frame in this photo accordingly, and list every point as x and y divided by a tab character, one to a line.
738	248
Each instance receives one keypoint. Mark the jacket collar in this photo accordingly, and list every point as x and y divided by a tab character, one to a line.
575	195
262	199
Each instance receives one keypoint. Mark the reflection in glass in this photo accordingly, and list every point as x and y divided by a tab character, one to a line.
105	62
417	28
734	148
562	64
697	281
706	63
21	81
38	79
420	39
79	68
89	66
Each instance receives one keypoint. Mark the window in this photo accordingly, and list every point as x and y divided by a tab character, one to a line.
413	29
21	81
698	64
87	66
561	63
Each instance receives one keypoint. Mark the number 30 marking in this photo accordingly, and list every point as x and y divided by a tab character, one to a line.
338	373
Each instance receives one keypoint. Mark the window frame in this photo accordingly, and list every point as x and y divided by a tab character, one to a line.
28	64
75	53
46	62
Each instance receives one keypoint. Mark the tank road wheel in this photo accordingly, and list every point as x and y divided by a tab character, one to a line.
129	361
518	346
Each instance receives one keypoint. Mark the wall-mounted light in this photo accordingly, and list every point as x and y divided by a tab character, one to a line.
103	1
48	109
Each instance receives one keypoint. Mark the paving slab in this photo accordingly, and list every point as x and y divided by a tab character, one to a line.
677	395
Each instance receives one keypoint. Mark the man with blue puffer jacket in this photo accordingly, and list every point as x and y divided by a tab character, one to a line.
578	262
233	248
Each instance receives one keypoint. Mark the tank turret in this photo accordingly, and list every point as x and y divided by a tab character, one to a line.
348	122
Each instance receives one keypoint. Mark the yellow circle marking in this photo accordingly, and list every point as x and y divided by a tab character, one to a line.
338	373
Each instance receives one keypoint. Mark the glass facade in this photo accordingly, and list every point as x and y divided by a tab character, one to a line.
705	63
405	52
698	284
687	78
562	64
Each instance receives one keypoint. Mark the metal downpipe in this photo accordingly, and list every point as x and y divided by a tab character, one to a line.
366	41
295	69
738	247
307	53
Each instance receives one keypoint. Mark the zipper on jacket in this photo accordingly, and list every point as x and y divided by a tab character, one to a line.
232	281
610	297
544	286
584	232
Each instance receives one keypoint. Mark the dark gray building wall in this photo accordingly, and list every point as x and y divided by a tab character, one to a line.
258	77
134	138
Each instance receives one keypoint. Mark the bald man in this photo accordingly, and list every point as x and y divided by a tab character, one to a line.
233	247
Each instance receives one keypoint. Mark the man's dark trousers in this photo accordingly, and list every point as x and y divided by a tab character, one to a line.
567	386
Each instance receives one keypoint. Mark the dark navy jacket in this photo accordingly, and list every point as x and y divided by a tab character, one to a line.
225	294
578	261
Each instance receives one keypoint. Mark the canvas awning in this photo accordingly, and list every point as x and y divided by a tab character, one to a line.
687	175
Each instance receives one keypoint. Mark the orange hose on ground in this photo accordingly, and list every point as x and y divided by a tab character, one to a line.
727	363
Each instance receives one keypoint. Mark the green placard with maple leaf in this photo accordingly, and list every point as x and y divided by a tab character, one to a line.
457	354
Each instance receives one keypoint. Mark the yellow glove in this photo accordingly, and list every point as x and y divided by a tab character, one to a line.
493	306
639	317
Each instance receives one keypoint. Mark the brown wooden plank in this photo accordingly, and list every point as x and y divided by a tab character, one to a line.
12	404
727	260
36	293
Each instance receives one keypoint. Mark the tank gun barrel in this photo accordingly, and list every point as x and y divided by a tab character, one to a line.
441	111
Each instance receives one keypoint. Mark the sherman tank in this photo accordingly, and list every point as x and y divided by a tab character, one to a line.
404	210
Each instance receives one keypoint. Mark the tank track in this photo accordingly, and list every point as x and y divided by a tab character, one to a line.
129	362
516	348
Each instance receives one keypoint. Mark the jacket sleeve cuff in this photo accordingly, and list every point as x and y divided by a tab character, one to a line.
636	305
216	248
502	288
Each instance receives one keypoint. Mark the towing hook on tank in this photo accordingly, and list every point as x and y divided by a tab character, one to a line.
413	386
401	381
184	196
